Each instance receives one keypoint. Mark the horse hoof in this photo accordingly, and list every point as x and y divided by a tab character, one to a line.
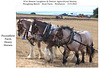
82	62
77	64
64	64
90	61
41	57
30	57
50	61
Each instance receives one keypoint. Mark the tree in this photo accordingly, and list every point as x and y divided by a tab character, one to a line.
33	13
95	13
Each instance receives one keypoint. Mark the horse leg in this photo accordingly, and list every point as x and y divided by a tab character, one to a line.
39	48
54	51
82	52
90	57
31	55
90	52
74	59
65	55
47	57
77	56
64	58
51	54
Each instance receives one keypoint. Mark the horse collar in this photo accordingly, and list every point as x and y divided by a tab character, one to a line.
46	32
70	38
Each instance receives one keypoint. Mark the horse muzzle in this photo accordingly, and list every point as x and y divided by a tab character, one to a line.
18	34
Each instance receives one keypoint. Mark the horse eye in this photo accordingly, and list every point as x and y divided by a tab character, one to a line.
56	35
35	24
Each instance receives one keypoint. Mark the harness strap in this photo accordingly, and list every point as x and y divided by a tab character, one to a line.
30	27
70	38
29	39
29	32
45	30
80	43
68	47
79	35
69	41
76	40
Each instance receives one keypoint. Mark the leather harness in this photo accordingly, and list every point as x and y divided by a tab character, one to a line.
71	39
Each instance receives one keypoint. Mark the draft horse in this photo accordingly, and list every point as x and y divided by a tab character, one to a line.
25	25
74	41
46	30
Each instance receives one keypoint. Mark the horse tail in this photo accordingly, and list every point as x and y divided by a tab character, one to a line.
90	50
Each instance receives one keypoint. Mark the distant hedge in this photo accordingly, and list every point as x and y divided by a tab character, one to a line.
33	13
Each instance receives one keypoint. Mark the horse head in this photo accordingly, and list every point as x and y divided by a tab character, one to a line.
20	27
62	33
34	28
58	34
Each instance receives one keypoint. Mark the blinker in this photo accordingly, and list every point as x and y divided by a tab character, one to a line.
35	24
20	22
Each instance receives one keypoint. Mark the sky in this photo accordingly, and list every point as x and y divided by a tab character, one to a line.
65	9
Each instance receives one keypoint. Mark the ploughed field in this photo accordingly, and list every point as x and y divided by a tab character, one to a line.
23	46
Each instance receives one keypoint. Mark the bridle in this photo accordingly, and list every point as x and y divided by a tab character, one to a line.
21	26
69	38
59	36
34	29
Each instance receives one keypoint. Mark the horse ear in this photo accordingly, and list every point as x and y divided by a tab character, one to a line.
19	19
20	22
72	28
57	25
61	27
34	19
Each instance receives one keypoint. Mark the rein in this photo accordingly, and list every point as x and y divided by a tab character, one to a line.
45	30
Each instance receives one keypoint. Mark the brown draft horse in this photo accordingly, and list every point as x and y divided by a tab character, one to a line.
74	41
25	25
47	33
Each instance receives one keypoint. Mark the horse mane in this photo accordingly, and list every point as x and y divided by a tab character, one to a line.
42	22
64	27
59	29
23	20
